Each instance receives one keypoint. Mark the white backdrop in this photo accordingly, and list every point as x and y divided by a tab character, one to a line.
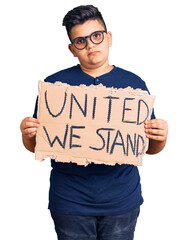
150	39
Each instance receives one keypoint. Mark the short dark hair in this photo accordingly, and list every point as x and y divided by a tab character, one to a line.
81	14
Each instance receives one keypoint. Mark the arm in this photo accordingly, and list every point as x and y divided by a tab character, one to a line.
157	131
28	128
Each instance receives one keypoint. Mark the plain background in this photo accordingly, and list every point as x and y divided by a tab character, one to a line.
150	39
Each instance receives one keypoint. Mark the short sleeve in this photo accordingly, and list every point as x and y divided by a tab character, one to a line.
36	103
153	115
145	88
36	108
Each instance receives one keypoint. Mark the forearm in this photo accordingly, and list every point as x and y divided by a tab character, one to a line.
29	143
155	146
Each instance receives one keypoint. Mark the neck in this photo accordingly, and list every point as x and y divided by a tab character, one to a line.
97	71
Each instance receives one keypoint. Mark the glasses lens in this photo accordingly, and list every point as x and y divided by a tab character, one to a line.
97	37
80	43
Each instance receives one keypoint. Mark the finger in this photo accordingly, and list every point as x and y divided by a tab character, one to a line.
32	134
36	120
28	122
155	125
31	119
30	125
29	131
158	132
155	137
155	121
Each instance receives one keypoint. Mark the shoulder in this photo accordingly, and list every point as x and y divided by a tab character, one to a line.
125	73
129	78
62	75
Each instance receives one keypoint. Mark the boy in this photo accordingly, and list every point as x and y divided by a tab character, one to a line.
98	201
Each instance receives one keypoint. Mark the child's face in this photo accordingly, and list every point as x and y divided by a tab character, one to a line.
94	55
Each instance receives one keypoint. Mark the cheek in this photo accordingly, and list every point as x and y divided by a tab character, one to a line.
78	54
82	57
105	49
105	46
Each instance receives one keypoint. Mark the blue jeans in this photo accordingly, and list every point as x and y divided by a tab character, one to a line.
116	227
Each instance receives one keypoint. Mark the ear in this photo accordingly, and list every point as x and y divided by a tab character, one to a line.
71	48
109	35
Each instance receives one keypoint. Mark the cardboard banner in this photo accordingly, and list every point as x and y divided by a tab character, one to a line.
84	124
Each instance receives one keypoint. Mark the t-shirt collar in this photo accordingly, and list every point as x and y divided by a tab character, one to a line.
101	76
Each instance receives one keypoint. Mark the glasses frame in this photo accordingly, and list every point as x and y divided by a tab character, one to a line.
89	36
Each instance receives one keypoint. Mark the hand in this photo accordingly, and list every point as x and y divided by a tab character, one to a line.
29	127
156	129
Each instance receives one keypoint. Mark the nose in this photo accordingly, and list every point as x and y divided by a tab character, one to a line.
90	44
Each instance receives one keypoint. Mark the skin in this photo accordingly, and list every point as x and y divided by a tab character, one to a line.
94	61
94	58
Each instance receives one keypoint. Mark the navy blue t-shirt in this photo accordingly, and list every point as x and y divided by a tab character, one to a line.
95	190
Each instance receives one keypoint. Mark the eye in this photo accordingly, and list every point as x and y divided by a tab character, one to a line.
97	35
80	41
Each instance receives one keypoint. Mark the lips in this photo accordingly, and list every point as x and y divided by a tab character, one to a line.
93	53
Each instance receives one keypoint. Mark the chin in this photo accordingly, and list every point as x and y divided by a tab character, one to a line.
96	61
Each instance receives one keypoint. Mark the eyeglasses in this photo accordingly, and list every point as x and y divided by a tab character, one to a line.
81	42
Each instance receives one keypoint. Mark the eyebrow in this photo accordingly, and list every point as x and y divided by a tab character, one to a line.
89	34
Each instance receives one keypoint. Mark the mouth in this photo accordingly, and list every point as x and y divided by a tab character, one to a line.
93	53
